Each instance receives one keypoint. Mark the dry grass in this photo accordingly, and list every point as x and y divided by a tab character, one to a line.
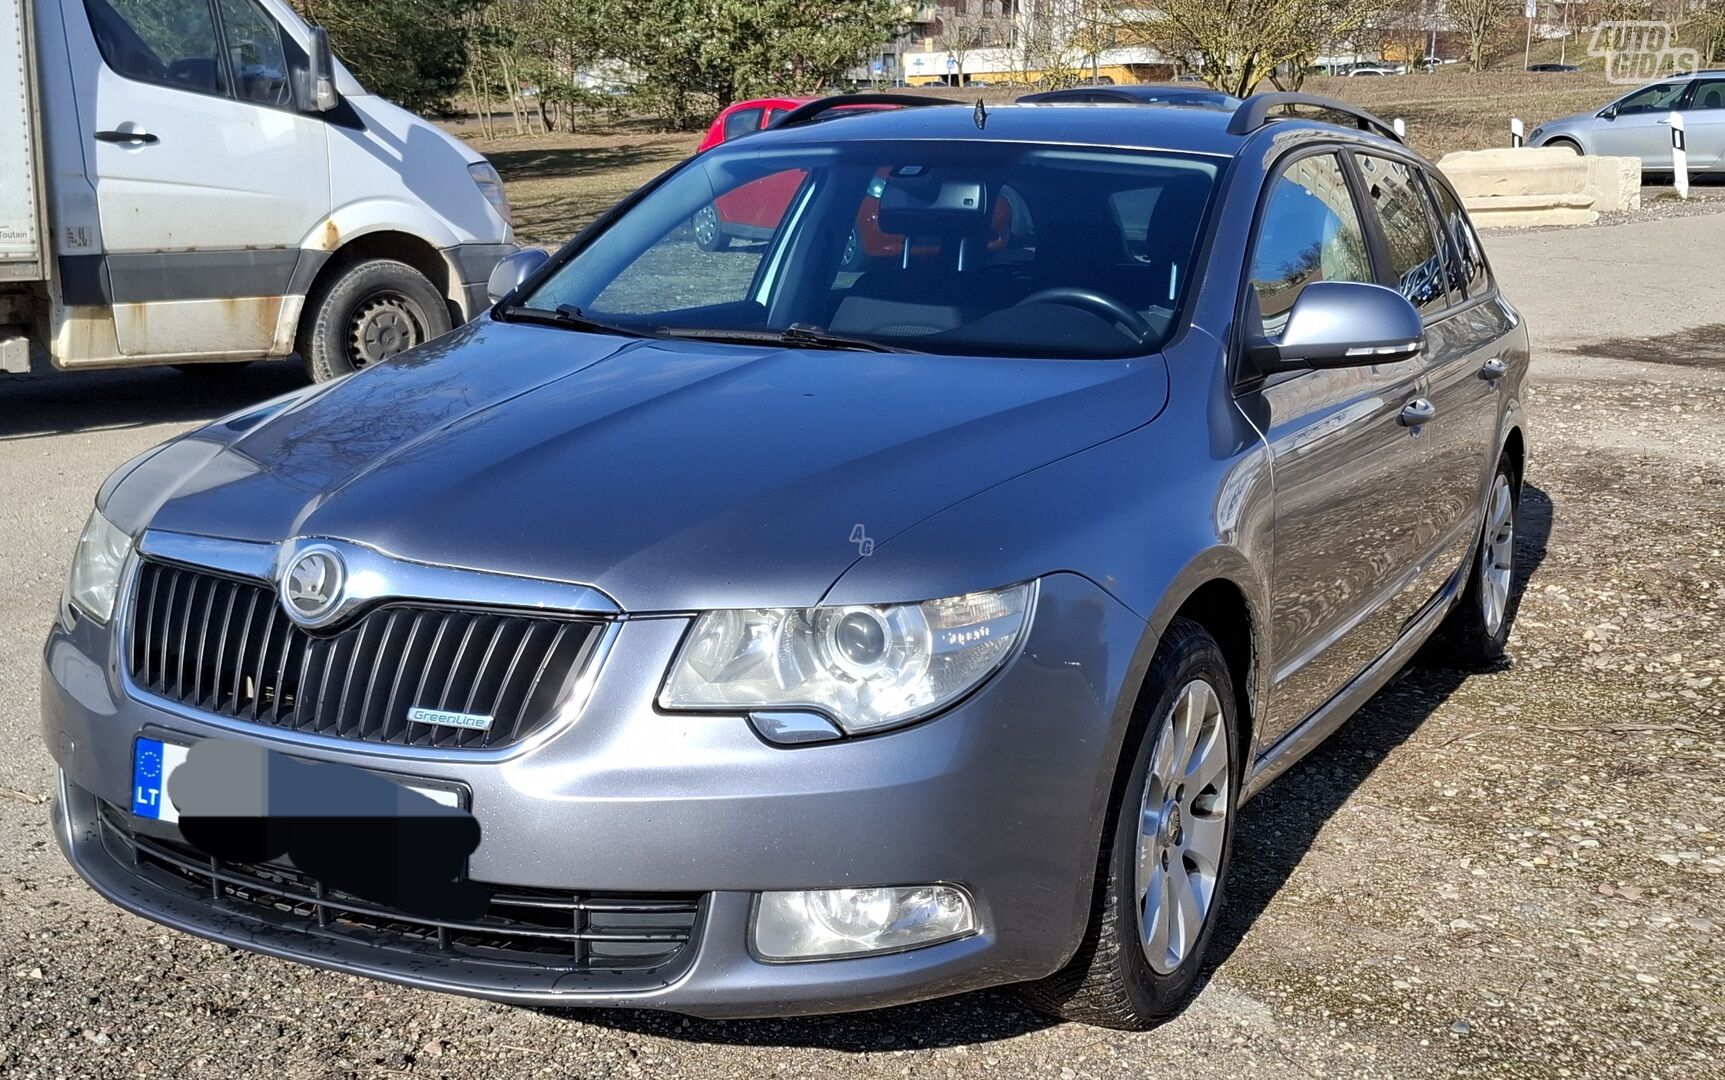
560	182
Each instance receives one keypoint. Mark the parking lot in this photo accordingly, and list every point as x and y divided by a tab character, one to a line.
1517	872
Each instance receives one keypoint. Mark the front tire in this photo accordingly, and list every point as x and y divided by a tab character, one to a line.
1164	857
1477	628
368	312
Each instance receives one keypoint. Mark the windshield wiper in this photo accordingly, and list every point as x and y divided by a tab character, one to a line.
796	336
569	317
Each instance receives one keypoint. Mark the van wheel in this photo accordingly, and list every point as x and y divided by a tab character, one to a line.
1164	857
366	314
709	231
1476	630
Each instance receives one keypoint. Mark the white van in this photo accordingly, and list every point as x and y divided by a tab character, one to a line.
198	182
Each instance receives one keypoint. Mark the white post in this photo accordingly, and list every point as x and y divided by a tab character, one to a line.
1401	127
1515	131
1679	155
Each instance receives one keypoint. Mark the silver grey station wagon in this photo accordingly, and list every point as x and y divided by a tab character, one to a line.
898	599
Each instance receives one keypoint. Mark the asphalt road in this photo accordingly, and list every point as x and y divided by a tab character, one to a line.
1506	873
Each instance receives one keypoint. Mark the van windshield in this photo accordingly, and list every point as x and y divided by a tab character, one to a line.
972	248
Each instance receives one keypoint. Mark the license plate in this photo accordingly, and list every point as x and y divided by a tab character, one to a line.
154	761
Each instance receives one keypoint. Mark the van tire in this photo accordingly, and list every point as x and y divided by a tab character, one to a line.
366	313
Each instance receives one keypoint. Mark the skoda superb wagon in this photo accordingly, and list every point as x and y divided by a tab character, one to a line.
769	630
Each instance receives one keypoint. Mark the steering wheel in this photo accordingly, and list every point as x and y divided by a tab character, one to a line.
1096	303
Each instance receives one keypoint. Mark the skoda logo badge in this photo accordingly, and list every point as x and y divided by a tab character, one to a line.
312	585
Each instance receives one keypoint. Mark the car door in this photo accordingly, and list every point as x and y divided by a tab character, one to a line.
1460	369
1340	453
1639	128
206	174
1704	123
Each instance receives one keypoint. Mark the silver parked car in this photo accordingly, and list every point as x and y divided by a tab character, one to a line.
767	631
1638	124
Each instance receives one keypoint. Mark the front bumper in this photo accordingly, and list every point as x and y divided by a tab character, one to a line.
1004	794
471	265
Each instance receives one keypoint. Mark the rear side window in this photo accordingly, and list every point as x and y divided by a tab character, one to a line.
1401	209
742	122
1470	271
1709	95
169	42
1310	232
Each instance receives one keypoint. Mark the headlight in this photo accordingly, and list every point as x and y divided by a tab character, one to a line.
491	186
867	668
95	578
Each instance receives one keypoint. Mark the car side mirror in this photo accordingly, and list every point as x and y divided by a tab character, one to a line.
322	75
1336	324
1608	113
512	270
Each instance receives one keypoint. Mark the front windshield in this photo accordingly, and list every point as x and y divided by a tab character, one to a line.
972	248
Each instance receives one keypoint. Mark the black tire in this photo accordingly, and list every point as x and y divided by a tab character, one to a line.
709	229
1470	636
1110	981
365	313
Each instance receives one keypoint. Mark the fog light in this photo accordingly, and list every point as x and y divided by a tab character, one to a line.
824	923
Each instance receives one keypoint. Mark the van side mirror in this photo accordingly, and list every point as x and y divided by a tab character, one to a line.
322	75
1336	324
512	270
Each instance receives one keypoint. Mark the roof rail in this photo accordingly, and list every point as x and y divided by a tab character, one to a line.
1255	112
817	110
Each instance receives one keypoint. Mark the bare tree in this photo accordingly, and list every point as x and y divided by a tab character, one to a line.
964	31
1479	20
1237	44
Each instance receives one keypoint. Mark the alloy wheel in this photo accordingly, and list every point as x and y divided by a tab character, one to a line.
1182	826
707	228
1497	555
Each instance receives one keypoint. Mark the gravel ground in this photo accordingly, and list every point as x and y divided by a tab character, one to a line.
1514	872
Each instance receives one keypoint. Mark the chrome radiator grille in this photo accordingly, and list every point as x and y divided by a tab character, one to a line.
224	645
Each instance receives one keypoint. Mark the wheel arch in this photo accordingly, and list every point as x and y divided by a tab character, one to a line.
1221	593
1515	448
393	244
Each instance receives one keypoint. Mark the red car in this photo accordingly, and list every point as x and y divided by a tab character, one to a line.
753	211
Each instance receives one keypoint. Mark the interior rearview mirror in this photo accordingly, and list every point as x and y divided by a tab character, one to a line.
324	94
1342	324
512	270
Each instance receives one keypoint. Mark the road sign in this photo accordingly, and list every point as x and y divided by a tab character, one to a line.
951	64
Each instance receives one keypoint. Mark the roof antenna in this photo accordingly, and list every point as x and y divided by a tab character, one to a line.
981	115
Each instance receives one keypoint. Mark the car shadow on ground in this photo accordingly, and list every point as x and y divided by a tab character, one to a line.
65	403
556	163
1273	835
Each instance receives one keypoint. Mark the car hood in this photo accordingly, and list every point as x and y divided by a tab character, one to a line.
1577	120
673	476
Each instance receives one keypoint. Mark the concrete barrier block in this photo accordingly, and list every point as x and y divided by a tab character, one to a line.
1616	183
1509	188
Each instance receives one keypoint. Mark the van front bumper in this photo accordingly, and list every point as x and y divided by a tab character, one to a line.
1005	795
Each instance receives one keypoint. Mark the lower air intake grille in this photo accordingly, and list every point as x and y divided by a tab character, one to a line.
224	645
538	928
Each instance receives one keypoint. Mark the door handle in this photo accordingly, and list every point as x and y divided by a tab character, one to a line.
1418	411
141	138
1493	370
